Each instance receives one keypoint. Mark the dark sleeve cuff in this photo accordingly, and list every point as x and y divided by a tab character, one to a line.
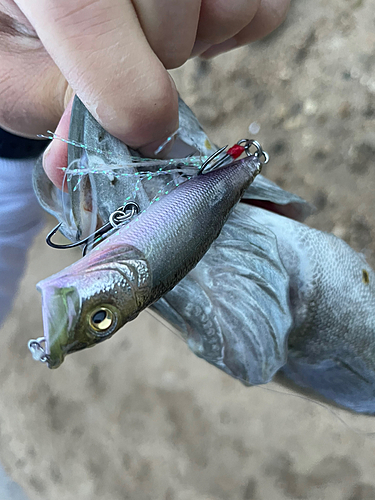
15	147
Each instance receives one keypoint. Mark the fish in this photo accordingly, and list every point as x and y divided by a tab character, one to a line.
276	300
271	299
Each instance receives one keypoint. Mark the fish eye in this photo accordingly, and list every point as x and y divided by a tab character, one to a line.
101	320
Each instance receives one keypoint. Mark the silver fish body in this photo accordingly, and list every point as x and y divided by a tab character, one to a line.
275	298
141	261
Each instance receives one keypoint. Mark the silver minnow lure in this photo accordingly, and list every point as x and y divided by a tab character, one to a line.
91	299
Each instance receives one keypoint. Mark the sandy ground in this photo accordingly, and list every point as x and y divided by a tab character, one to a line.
140	417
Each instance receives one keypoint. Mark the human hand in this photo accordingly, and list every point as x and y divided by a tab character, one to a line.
114	55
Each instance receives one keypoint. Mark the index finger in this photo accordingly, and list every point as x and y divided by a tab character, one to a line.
101	50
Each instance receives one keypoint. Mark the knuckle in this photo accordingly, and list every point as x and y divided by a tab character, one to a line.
71	13
222	19
8	107
280	10
235	13
273	13
172	61
173	55
151	113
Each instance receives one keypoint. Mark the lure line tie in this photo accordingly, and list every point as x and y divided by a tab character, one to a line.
37	350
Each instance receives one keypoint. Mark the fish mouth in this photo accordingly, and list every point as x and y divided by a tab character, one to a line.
60	311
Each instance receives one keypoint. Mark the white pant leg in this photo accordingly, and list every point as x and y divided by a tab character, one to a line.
9	490
21	218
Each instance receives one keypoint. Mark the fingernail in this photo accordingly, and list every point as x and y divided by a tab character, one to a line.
47	150
199	48
220	48
55	158
69	94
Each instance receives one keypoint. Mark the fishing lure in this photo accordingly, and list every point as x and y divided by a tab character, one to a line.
90	300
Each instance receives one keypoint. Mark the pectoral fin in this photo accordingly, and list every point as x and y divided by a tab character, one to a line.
339	376
280	201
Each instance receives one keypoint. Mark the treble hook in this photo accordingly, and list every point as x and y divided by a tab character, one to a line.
205	167
118	217
245	146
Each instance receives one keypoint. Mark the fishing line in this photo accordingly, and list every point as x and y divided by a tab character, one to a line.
320	404
146	170
95	212
325	407
333	412
167	141
179	165
53	135
63	198
164	323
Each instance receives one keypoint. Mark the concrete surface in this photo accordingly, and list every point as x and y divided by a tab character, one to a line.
140	417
